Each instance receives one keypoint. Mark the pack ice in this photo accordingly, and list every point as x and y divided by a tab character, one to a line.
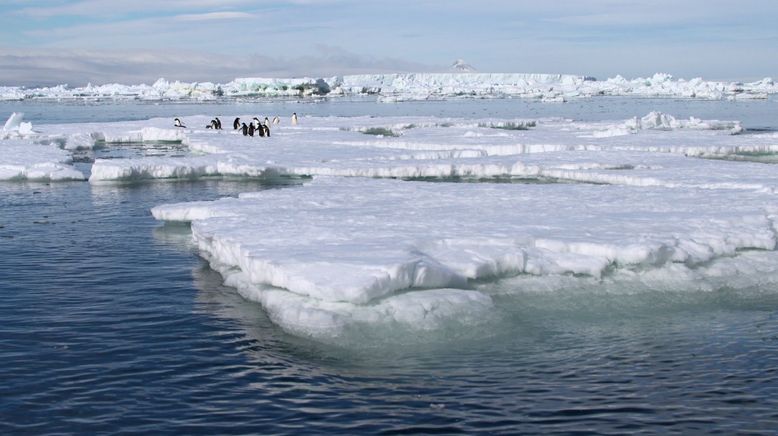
411	86
648	151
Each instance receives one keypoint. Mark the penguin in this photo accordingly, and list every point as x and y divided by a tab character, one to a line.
266	130
255	123
218	123
178	123
260	130
276	120
236	124
245	129
252	129
294	118
212	125
266	122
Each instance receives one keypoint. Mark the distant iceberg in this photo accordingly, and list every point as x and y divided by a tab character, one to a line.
464	83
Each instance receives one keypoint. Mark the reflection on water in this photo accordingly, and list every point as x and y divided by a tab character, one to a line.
132	150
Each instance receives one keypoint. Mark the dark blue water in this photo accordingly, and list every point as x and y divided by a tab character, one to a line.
111	323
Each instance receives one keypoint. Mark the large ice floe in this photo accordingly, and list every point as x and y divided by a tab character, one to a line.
338	253
411	86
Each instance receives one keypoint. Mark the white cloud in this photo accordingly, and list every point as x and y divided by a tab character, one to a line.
101	8
212	16
77	67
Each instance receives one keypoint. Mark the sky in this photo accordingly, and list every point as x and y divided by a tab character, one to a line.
47	42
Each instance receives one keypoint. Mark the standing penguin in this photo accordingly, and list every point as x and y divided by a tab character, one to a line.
294	118
266	122
218	123
251	129
260	130
212	125
236	124
255	123
276	120
178	123
245	129
266	129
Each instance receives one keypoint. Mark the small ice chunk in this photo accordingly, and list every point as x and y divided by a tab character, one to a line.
14	122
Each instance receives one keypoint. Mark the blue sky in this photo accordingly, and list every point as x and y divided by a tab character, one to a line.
132	41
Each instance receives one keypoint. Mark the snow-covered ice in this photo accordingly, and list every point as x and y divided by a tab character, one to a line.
25	160
22	158
412	86
339	252
650	151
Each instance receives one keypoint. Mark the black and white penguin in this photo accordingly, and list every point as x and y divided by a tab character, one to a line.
245	129
212	125
236	124
266	130
260	130
218	123
294	118
276	120
267	122
178	123
255	123
251	129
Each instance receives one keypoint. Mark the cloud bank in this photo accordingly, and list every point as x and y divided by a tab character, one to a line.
79	67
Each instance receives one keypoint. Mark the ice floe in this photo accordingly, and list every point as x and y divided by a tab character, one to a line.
339	252
25	160
412	86
22	158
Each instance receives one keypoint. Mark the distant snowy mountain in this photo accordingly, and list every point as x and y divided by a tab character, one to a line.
461	66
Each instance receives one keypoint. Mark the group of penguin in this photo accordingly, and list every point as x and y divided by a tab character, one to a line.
255	128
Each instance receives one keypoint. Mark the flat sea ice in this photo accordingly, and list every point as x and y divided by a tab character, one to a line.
26	160
339	252
408	147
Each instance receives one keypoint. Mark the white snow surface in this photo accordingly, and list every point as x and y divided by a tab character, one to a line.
412	86
340	252
652	151
22	158
25	160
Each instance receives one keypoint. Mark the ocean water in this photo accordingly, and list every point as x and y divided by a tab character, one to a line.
756	114
113	324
